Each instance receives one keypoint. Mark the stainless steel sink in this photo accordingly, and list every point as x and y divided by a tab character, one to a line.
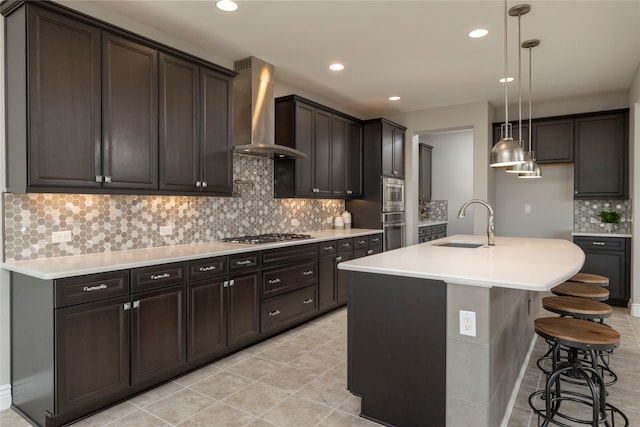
460	244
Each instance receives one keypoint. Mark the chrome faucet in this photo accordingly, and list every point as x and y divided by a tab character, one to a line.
490	228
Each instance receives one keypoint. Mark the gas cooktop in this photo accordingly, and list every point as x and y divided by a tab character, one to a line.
266	238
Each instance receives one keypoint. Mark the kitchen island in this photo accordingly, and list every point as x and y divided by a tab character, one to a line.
408	357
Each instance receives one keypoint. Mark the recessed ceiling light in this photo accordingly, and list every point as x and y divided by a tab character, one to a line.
394	98
227	5
480	32
336	67
509	79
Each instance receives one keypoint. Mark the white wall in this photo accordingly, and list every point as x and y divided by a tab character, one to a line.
477	116
551	200
634	154
452	175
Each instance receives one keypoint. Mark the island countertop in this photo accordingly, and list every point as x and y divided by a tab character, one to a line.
514	262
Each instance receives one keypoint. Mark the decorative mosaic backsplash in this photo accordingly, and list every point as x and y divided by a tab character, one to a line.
435	210
586	219
105	223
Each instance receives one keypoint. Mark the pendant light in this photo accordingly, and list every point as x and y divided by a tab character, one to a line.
519	10
532	166
506	152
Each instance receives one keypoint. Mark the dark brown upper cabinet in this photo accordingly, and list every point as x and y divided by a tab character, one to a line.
195	131
83	109
388	138
425	172
552	141
332	142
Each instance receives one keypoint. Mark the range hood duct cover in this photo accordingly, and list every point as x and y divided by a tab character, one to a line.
254	111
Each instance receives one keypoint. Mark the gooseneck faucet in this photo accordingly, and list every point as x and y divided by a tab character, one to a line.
490	228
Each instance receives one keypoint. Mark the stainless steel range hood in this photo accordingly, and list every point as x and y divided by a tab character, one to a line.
254	111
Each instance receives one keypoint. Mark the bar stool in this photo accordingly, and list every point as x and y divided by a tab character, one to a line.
576	335
585	309
590	279
581	290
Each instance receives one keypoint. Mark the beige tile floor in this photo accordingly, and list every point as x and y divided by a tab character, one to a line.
299	379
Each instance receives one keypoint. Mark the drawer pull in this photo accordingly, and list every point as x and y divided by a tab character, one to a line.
274	281
346	245
307	301
94	288
210	268
362	242
328	248
599	243
369	252
232	282
307	273
160	276
338	258
244	262
136	304
274	313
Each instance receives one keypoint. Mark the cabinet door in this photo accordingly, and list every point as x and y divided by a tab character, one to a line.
354	160
425	172
158	333
64	102
207	319
601	157
243	318
342	277
398	153
304	136
179	109
92	353
553	141
322	154
339	155
327	292
215	129
130	118
387	150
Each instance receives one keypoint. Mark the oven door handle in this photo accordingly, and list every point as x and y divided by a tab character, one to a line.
394	224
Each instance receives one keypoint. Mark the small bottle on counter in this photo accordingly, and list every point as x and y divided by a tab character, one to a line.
346	218
338	223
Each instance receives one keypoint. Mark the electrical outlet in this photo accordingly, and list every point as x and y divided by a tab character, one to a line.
468	323
166	230
527	208
295	222
61	236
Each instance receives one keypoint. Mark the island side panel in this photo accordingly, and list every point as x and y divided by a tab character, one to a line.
397	348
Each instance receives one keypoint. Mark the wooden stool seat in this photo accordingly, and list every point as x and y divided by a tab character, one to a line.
581	308
590	279
577	333
574	289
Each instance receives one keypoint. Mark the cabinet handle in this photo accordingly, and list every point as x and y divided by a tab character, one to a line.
126	306
328	248
198	184
346	245
136	304
274	313
160	276
204	184
307	301
395	172
98	178
273	281
599	243
244	262
209	268
107	178
349	191
225	284
307	273
362	242
369	252
232	282
338	258
94	288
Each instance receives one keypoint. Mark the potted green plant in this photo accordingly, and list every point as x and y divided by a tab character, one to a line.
608	218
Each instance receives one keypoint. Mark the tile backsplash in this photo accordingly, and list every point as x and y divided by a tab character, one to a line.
105	223
585	216
435	210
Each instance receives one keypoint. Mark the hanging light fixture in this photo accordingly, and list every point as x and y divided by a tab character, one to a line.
506	152
519	10
531	165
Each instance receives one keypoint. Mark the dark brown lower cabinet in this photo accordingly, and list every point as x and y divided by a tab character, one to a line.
342	278
327	292
243	317
93	352
158	334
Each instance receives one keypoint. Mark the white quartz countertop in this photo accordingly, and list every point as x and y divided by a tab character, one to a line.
518	263
68	266
596	234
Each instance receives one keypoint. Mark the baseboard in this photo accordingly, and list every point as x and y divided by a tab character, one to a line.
5	396
516	387
635	310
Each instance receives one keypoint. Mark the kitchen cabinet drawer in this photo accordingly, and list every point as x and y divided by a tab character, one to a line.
361	242
244	262
345	245
157	276
327	248
208	267
288	254
375	240
93	287
602	243
291	276
290	308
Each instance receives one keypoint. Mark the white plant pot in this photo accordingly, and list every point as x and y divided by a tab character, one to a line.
608	227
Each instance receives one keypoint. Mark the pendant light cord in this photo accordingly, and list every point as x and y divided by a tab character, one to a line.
530	47
506	98
520	86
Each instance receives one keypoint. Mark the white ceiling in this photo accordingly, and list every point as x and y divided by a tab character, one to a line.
418	50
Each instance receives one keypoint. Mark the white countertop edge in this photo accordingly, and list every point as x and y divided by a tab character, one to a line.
78	265
428	223
598	234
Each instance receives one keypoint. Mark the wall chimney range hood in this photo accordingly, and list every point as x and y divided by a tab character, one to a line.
254	111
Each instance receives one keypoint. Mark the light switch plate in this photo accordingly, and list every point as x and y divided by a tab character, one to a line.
61	236
468	323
